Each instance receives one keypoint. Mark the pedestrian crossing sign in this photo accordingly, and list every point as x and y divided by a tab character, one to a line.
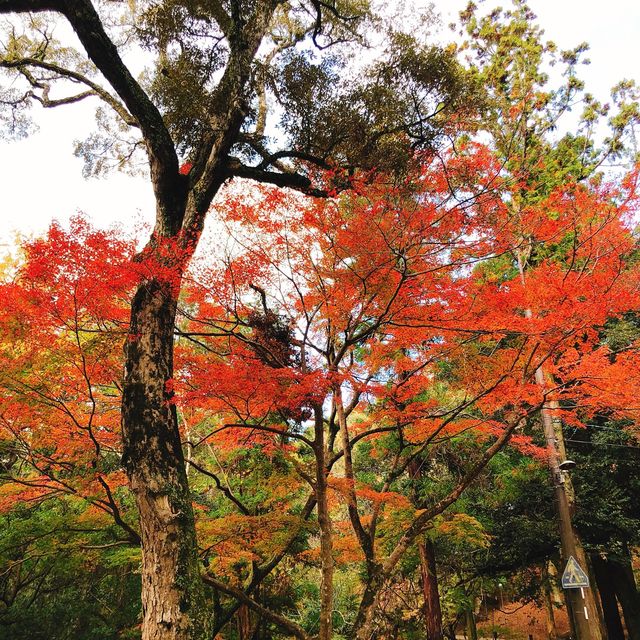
574	576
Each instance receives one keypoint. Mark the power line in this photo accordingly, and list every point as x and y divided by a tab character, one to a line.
602	444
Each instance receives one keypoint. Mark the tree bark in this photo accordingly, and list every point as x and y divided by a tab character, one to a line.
606	587
326	534
432	610
244	622
173	602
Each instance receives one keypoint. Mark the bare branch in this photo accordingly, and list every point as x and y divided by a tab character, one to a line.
96	89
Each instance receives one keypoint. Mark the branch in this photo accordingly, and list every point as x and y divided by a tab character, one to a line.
96	89
209	166
318	5
24	6
418	525
281	621
296	181
298	155
134	537
163	161
220	16
262	571
227	492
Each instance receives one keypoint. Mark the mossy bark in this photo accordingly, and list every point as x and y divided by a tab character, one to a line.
325	631
173	600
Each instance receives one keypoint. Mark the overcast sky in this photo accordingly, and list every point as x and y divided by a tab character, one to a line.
41	180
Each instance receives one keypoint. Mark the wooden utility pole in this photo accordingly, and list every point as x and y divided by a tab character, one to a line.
581	603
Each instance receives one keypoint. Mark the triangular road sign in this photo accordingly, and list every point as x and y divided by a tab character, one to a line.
574	576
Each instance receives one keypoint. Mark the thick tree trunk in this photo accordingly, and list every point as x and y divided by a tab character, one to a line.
608	598
172	591
432	610
325	631
621	576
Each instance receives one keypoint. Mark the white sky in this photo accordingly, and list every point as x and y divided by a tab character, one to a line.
40	179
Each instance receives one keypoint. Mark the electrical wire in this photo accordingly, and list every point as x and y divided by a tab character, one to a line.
602	444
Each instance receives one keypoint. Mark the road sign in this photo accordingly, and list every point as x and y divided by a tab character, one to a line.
574	577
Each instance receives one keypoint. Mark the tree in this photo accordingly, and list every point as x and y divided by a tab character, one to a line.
215	71
202	119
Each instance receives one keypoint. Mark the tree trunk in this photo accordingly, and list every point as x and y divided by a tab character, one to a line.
470	625
621	576
243	617
325	631
552	630
432	610
365	619
608	598
173	601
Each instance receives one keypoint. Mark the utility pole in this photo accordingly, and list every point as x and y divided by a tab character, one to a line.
581	603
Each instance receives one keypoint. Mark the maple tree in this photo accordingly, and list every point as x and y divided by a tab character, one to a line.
67	517
507	50
61	372
385	334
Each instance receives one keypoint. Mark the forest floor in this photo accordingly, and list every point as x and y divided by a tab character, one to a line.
516	621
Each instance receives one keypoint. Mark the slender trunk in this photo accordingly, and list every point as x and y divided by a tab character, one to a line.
470	625
622	578
552	630
608	598
244	622
172	591
325	631
431	606
364	538
432	610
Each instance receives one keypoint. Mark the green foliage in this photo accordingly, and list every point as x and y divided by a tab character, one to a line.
62	577
607	482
